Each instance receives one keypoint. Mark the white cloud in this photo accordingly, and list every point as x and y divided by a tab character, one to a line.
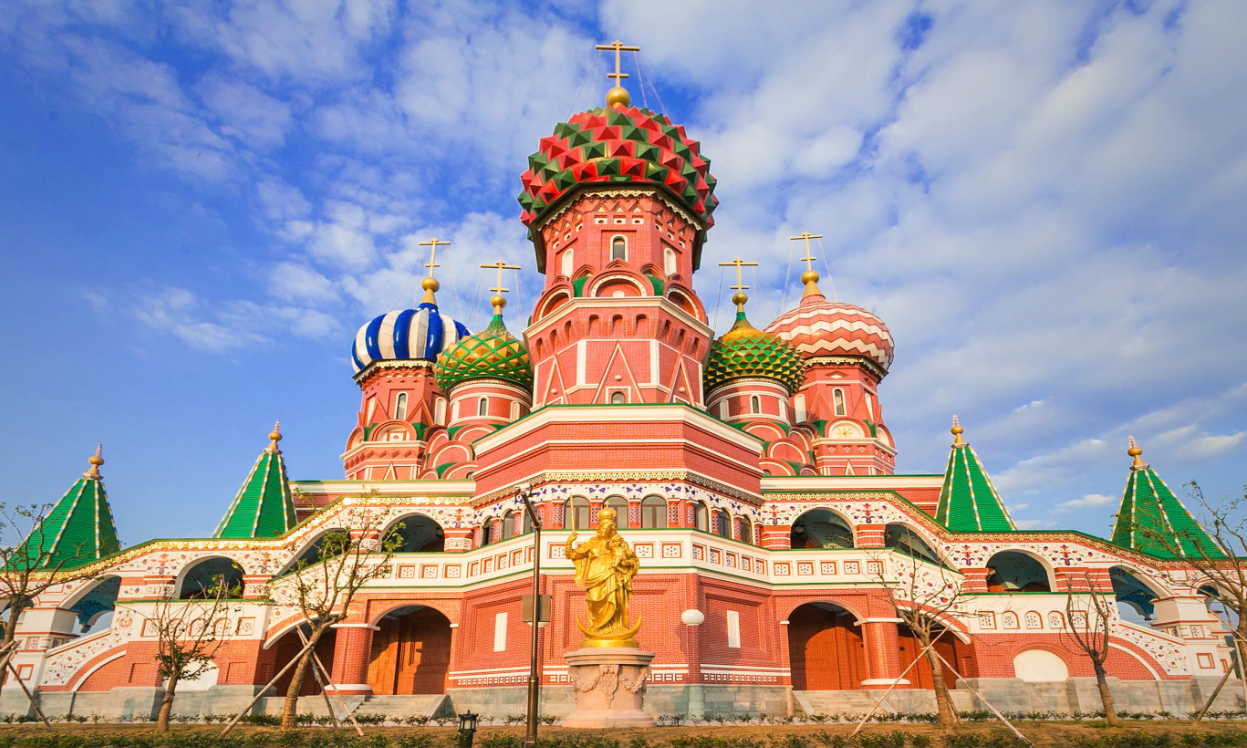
290	281
1090	500
228	326
255	118
1206	447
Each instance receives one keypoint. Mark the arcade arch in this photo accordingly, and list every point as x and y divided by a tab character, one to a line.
1017	571
825	648
201	576
821	528
1134	595
95	604
904	539
417	533
410	652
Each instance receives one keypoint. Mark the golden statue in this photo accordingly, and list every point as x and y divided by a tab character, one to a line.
605	566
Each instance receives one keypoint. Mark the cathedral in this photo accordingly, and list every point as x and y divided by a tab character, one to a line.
752	472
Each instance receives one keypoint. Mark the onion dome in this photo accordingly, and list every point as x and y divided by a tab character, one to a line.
745	352
493	353
1153	520
410	334
818	327
264	506
968	500
618	143
78	530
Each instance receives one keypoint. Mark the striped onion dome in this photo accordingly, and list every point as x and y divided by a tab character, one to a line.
410	334
745	352
818	327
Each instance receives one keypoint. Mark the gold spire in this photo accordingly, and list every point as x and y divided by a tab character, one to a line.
274	437
740	297
810	276
430	284
96	460
618	94
499	301
1136	452
957	432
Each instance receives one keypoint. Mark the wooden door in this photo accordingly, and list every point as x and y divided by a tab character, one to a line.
410	654
826	650
947	646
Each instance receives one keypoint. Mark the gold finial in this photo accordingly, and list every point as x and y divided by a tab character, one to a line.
1136	452
957	432
96	460
810	276
430	284
274	436
618	94
499	301
740	297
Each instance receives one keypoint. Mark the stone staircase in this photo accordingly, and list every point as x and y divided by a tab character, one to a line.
426	705
837	702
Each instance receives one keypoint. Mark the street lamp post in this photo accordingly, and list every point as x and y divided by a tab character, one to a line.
534	685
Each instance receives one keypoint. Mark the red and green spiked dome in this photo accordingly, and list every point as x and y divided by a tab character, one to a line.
618	144
492	353
745	352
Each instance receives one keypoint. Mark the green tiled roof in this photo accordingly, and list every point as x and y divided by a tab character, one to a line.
968	500
745	351
78	530
264	507
1149	511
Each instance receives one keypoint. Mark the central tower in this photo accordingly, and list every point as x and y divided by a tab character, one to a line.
617	203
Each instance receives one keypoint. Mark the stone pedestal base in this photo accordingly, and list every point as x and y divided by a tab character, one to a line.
609	683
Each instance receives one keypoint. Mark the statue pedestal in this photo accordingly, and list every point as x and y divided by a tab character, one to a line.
609	683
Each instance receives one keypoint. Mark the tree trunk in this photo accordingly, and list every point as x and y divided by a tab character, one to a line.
1216	692
1238	649
290	711
166	704
1110	714
943	702
10	633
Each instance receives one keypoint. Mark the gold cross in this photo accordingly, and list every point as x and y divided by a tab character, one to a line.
499	301
618	47
432	244
807	236
739	298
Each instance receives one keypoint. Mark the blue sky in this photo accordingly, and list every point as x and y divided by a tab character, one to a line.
200	204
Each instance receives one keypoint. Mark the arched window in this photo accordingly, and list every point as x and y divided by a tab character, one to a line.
755	404
619	397
837	398
569	262
870	407
508	524
579	515
668	261
526	521
620	505
439	412
653	512
482	408
701	517
487	532
372	408
798	404
619	248
400	406
723	523
746	530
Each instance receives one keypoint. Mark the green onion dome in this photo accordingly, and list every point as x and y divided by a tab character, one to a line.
493	353
746	352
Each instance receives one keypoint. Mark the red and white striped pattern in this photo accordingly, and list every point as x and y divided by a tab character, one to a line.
819	327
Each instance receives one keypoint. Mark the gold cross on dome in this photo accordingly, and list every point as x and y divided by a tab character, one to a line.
617	46
499	301
432	245
740	297
807	236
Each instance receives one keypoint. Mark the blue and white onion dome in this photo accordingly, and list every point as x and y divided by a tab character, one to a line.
410	334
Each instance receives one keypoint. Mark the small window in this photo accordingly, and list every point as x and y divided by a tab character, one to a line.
372	408
482	408
569	262
653	512
400	406
569	522
668	261
733	629
723	523
870	406
746	530
580	514
798	403
619	248
755	404
701	517
620	505
526	521
724	409
487	532
439	412
837	397
619	397
508	524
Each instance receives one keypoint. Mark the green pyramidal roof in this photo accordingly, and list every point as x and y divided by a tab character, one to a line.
263	507
1149	510
77	531
968	500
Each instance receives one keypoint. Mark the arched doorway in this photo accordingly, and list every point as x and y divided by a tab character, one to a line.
821	528
1014	571
419	534
825	649
285	650
410	652
960	655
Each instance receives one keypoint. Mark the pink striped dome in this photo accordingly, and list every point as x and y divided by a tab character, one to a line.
818	327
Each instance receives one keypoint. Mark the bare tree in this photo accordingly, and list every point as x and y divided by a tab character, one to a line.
322	588
923	595
1089	618
189	634
1220	568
